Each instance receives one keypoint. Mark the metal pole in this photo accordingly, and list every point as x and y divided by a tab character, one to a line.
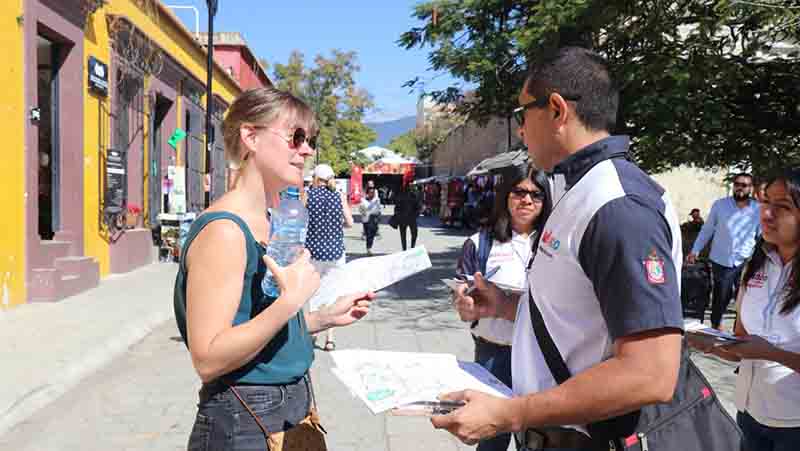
212	11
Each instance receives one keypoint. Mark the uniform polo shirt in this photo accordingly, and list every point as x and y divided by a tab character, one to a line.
607	266
769	391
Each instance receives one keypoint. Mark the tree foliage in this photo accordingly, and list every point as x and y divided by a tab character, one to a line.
405	144
711	83
329	87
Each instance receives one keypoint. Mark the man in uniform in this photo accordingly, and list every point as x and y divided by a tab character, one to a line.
605	279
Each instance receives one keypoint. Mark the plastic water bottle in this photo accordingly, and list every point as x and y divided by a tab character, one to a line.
288	227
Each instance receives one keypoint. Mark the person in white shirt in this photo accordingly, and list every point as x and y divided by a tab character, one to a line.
768	384
370	209
520	208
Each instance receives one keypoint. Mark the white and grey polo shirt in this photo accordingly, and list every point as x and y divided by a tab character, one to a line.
607	266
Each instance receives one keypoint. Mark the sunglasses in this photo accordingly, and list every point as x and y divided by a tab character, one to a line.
742	185
519	112
296	139
521	193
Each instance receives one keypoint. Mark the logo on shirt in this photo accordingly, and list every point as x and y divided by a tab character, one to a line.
654	268
758	280
550	240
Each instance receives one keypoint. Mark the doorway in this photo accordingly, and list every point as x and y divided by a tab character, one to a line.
155	201
48	62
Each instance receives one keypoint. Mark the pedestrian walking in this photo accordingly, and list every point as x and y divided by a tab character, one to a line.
370	209
604	279
253	352
732	227
505	243
768	307
406	210
328	213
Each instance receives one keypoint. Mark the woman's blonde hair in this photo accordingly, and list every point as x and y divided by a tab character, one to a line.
263	106
330	183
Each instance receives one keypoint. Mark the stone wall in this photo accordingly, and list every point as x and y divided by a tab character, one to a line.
470	144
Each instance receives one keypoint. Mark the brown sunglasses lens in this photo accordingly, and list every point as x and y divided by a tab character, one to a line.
299	137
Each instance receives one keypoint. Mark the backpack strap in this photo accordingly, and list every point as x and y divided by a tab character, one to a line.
484	248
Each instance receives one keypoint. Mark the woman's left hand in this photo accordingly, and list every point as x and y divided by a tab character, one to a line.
753	347
347	309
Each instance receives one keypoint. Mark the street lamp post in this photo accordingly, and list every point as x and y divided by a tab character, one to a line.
210	138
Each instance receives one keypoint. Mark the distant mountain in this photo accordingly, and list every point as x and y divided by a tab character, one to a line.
390	129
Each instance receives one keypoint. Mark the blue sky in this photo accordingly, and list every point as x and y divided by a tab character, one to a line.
273	29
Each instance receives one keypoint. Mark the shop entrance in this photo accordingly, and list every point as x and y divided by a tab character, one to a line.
155	203
48	62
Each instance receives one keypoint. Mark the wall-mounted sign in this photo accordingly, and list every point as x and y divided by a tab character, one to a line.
177	136
98	76
116	181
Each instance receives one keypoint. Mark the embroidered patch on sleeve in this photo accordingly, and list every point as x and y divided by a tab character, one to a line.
654	268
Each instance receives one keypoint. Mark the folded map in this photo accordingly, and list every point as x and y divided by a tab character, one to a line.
369	274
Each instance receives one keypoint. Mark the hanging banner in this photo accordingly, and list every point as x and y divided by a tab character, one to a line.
355	184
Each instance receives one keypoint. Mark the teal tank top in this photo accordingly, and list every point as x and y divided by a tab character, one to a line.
288	356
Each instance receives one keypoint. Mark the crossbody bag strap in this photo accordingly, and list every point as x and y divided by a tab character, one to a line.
252	413
552	356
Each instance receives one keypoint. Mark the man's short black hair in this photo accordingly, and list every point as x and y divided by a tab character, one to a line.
743	174
578	72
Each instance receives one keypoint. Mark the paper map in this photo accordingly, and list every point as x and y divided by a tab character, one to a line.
384	380
369	274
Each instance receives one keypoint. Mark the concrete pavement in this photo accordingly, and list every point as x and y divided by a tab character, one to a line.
86	356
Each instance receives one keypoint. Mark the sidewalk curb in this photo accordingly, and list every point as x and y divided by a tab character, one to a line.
94	360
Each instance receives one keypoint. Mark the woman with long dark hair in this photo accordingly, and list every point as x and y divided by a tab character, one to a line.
521	206
768	384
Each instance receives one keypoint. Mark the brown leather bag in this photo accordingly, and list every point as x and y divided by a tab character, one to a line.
307	435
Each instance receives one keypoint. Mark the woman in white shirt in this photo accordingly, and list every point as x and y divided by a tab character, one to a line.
768	385
521	205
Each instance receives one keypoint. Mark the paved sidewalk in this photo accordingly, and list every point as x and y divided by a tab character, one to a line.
49	347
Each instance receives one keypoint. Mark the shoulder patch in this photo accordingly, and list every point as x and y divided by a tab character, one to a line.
654	268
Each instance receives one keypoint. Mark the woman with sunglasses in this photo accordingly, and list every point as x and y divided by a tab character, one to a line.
252	352
520	209
768	306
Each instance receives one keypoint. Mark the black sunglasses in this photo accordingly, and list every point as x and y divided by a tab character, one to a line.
520	193
296	139
299	137
519	112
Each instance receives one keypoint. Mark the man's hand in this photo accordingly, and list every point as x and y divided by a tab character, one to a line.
691	258
484	300
482	417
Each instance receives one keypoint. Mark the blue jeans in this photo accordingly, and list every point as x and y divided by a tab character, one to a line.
758	437
496	359
726	281
223	424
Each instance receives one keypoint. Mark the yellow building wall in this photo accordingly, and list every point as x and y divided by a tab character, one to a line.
155	23
12	169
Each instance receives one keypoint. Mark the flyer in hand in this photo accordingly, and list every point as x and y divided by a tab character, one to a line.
369	274
697	328
409	381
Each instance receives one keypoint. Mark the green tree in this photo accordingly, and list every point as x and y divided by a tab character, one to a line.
405	144
700	80
329	88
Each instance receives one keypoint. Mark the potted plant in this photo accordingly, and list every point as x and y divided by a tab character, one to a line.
132	216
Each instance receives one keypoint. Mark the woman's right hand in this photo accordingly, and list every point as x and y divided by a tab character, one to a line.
297	281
